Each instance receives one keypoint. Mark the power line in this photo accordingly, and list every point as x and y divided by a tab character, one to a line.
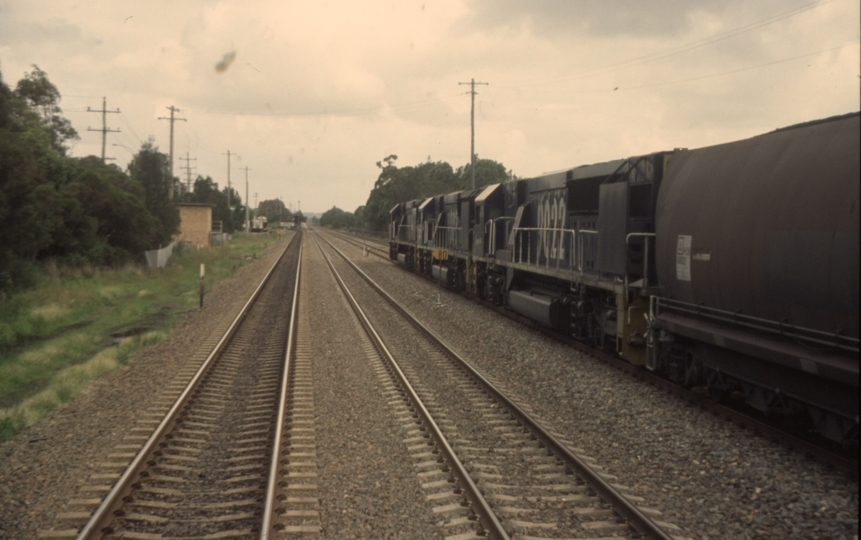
664	83
342	112
129	125
188	168
698	77
679	49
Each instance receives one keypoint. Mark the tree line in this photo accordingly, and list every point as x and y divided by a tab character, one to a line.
81	211
399	184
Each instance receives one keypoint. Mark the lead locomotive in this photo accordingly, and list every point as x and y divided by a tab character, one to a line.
733	267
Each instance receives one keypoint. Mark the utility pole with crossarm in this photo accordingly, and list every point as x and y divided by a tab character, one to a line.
472	91
104	129
172	119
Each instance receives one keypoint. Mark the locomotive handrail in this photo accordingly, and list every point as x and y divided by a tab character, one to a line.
560	245
449	244
645	259
491	224
808	335
401	226
581	256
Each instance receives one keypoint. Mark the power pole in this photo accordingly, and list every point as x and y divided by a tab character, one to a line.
472	91
188	168
104	129
247	218
228	177
255	200
172	119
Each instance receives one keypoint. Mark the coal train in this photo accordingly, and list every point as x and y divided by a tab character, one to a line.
732	267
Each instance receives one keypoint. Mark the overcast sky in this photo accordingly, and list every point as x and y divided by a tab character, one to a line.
318	91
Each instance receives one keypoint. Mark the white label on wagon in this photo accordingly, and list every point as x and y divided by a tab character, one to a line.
683	258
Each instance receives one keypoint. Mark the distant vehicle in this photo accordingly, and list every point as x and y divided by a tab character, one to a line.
258	224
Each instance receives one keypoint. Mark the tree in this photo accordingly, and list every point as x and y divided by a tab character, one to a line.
152	169
335	218
206	191
53	207
359	215
236	211
30	170
43	97
275	211
396	185
487	172
103	217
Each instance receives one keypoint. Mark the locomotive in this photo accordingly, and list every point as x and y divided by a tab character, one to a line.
732	267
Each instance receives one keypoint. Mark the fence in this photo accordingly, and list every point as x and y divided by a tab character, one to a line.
157	258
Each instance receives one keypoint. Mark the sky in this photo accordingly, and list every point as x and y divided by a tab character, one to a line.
310	95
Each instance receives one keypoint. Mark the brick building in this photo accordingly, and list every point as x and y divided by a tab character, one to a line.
195	223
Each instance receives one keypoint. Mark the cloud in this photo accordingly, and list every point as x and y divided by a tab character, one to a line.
324	90
561	18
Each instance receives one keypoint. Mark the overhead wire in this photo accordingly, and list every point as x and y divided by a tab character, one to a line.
673	51
609	68
739	70
698	77
342	112
128	124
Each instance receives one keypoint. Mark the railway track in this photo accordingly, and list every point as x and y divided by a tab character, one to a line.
214	464
822	453
369	246
488	465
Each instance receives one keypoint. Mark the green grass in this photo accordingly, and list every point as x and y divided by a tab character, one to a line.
79	324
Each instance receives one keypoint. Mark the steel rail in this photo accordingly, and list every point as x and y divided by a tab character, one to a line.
485	513
635	517
817	452
764	429
273	490
114	499
380	252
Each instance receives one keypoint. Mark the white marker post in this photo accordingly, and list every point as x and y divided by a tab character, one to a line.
202	272
440	254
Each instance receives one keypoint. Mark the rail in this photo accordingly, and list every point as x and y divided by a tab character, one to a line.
628	511
115	498
273	487
488	518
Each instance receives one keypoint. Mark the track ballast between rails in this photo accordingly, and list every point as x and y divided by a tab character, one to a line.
574	470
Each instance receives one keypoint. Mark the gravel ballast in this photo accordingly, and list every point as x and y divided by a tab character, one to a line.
47	463
711	478
366	485
706	475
